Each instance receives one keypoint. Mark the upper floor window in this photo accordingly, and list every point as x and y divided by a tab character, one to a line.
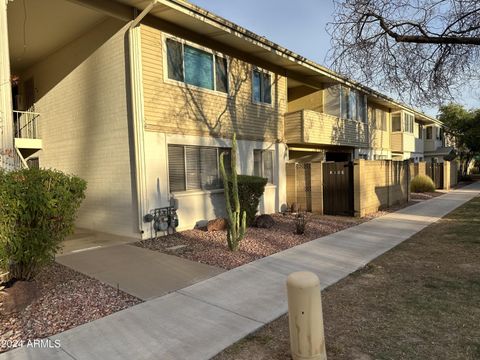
262	87
196	67
195	167
383	117
378	119
353	105
419	130
396	122
408	120
263	164
429	133
439	134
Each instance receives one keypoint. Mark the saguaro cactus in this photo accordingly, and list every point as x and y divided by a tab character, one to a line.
237	220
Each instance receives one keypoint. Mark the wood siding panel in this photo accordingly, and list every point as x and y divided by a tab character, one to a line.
396	142
175	108
312	127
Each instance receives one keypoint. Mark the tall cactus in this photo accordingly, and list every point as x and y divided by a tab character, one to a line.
237	221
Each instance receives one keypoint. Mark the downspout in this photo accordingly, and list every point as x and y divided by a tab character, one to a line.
136	96
6	109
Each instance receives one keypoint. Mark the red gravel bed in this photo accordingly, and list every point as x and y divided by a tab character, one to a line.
425	195
210	247
65	299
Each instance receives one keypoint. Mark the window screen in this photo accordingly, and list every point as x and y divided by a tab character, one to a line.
198	67
262	87
176	168
174	60
396	123
195	167
221	74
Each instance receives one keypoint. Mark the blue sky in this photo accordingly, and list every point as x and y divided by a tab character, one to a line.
297	25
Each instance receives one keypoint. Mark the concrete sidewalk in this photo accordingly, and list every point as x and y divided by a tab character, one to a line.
140	272
199	321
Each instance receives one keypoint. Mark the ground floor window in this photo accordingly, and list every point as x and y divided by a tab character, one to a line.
195	167
263	164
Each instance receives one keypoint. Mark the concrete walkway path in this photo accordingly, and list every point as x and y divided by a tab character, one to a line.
140	272
85	239
201	320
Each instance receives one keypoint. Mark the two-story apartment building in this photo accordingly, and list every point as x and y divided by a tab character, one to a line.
141	98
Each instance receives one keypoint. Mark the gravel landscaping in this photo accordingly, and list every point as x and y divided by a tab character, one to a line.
425	195
64	299
209	247
417	301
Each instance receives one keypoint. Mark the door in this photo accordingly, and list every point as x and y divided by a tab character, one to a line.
338	188
29	90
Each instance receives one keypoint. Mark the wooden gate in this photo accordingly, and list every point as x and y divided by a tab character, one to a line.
304	186
435	171
338	188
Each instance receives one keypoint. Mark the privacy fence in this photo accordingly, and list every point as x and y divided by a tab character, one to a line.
360	187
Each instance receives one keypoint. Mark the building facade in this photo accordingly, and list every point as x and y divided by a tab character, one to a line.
141	102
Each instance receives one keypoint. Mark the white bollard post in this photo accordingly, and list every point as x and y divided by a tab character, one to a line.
307	340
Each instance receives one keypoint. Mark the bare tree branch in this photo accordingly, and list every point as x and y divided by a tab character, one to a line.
422	50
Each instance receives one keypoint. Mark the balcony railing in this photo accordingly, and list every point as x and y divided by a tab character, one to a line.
312	127
25	124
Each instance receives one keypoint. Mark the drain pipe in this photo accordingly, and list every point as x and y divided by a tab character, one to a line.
136	96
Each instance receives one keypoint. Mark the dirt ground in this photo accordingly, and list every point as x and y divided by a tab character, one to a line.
418	301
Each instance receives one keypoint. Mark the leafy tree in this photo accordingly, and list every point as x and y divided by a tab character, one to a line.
424	50
463	128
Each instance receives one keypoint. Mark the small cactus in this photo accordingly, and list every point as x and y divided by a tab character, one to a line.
237	220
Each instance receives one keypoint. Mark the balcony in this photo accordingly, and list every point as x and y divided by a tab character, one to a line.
312	127
26	135
402	141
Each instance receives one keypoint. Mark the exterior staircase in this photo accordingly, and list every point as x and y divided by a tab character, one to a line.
27	139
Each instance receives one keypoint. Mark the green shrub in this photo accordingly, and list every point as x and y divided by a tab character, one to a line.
250	190
422	183
37	211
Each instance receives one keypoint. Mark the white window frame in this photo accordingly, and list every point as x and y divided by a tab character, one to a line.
184	42
401	121
408	122
218	149
262	152
262	71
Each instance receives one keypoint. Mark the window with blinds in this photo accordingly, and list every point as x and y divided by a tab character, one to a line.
263	164
195	167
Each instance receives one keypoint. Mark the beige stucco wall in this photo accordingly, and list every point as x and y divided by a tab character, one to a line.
197	206
82	98
172	107
375	186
